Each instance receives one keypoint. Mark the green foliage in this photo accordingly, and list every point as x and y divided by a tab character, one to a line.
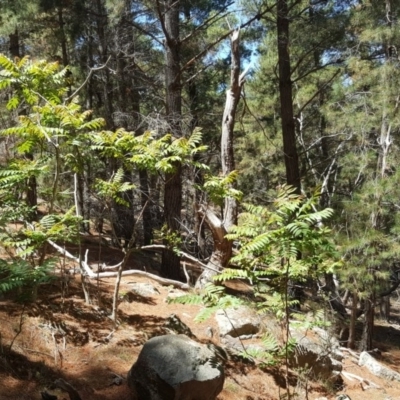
46	141
213	298
111	190
170	237
220	187
32	81
276	245
149	152
20	275
271	241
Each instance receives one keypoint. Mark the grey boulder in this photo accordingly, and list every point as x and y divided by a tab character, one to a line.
319	355
174	367
376	368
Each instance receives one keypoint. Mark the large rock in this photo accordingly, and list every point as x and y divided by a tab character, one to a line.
174	367
376	368
329	343
317	353
238	321
309	355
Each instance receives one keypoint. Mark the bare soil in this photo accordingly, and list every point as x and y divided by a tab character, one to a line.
59	336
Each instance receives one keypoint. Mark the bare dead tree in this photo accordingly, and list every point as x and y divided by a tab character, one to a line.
219	225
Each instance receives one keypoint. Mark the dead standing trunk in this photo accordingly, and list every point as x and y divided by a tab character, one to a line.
222	250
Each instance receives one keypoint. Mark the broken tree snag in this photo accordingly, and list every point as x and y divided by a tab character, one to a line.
222	251
228	125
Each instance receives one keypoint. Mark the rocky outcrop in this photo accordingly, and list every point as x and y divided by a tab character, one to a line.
238	321
174	367
376	368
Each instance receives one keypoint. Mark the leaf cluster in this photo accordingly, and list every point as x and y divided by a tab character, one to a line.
19	274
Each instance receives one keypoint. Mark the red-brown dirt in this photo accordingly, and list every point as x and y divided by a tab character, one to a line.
59	336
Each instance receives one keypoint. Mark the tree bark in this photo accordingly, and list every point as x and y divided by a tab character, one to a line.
286	98
63	38
368	329
15	50
351	343
222	250
228	125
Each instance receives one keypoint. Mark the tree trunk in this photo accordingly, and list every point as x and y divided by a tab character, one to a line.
103	52
384	307
222	247
222	250
170	265
351	343
197	174
15	50
228	125
369	314
63	38
286	98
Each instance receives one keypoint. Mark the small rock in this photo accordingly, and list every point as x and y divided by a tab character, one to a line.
174	294
209	332
237	321
174	325
144	289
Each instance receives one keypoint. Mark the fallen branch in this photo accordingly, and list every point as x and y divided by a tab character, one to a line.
92	275
88	271
353	353
181	253
351	377
159	279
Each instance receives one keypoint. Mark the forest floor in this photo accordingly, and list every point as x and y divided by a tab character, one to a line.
59	336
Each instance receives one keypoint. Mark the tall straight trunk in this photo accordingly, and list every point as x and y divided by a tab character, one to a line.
170	266
286	98
129	106
197	174
103	52
128	91
63	38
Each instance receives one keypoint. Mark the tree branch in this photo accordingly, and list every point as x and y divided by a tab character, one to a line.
92	70
224	36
